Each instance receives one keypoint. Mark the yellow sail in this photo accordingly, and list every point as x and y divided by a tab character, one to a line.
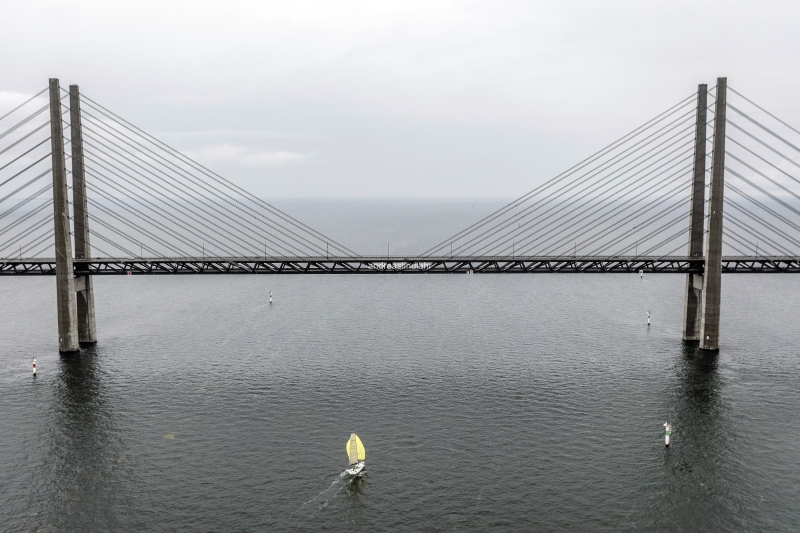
355	450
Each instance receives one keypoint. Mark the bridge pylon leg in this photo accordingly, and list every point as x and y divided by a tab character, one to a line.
65	281
712	277
87	330
694	282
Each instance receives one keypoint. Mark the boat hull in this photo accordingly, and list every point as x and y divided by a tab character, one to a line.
356	469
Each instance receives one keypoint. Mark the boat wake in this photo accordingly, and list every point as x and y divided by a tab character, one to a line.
320	501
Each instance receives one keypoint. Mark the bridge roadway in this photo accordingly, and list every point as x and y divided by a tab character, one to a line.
400	265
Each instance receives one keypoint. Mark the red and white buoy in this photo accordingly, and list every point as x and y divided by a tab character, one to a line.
34	366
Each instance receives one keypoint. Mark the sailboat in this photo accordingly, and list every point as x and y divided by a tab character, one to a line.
357	455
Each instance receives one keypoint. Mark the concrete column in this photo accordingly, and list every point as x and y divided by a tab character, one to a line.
65	280
712	278
694	282
87	331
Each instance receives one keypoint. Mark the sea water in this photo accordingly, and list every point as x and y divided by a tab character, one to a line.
485	402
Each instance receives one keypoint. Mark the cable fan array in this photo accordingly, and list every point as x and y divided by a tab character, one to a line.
146	199
762	179
630	198
26	187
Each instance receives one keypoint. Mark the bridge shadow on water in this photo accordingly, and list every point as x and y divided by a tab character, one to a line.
85	450
697	467
699	395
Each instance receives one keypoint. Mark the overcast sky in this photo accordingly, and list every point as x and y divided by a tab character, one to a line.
398	99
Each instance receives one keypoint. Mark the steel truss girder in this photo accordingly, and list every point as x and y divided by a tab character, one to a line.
400	265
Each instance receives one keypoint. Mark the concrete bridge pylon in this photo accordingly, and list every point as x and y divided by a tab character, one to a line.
694	282
65	278
712	276
87	330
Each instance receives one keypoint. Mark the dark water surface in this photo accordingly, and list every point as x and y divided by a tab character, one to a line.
510	402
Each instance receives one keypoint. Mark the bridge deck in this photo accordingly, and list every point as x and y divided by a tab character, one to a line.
400	265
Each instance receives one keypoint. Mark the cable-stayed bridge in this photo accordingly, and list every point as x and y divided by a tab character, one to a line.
705	187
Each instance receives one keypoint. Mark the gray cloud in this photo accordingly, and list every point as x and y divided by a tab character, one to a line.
242	155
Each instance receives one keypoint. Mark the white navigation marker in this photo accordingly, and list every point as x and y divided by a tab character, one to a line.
667	429
270	296
648	317
34	366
